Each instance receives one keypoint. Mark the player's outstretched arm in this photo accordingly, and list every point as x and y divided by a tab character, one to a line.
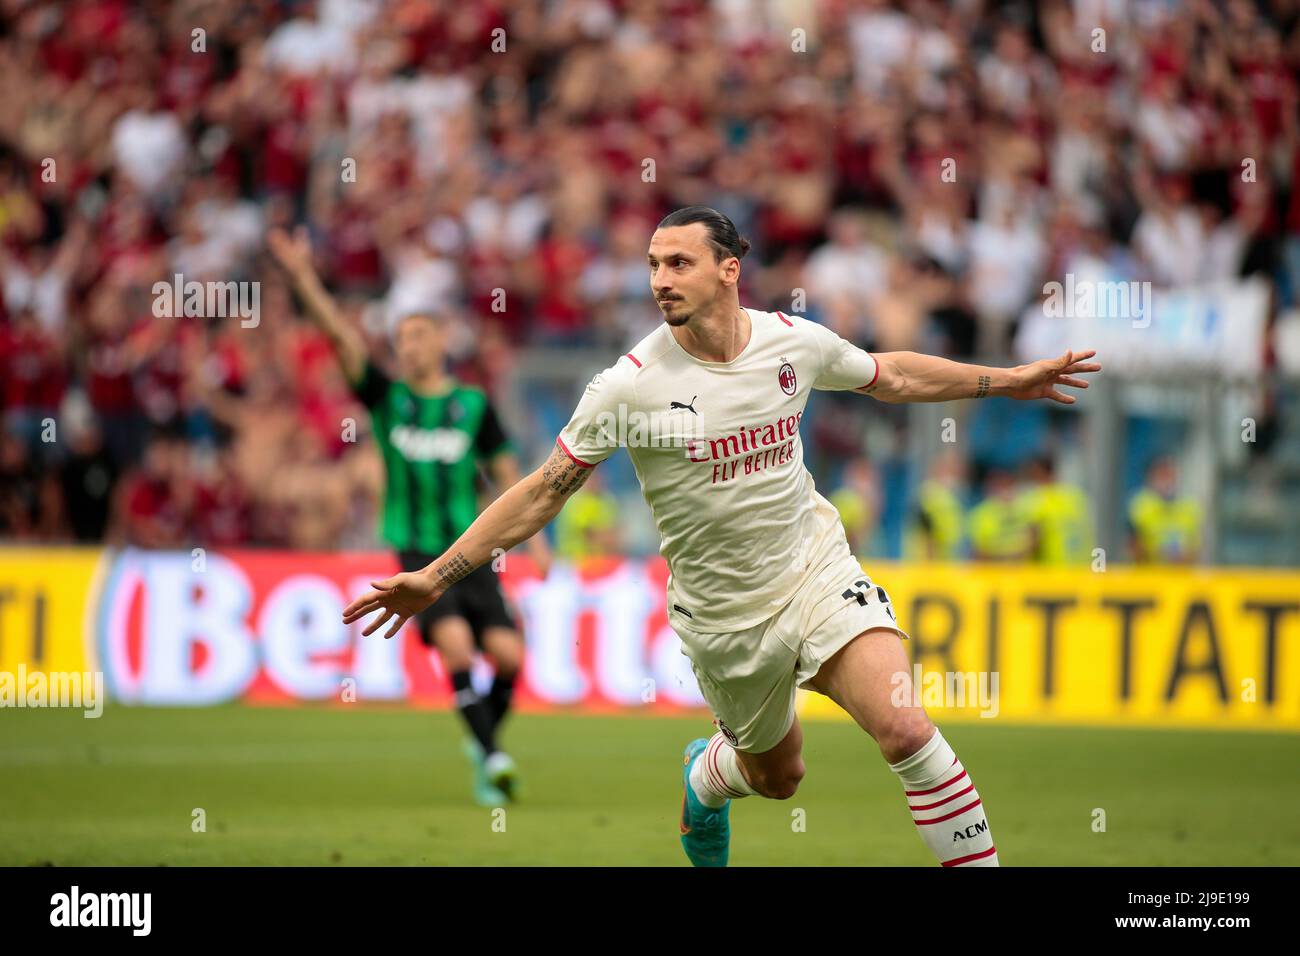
519	513
505	473
913	377
293	255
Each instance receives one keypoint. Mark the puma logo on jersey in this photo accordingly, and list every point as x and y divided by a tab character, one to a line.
446	445
691	406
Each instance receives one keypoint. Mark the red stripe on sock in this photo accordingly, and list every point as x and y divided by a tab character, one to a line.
946	783
711	778
949	816
721	785
706	769
974	856
728	786
711	771
931	806
717	772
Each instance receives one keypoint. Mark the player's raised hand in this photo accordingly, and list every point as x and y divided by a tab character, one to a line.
403	596
1042	379
292	253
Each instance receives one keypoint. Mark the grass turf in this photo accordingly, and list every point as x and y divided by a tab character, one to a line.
321	786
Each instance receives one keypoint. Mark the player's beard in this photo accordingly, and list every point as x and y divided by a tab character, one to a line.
676	317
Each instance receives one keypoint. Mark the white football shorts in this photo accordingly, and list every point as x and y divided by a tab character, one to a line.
749	677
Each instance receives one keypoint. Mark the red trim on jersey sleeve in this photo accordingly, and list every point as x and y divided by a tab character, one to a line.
634	359
785	320
877	375
576	460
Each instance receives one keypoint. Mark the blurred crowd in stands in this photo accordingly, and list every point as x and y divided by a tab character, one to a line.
918	168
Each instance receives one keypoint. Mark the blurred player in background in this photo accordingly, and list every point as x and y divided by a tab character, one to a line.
763	591
433	432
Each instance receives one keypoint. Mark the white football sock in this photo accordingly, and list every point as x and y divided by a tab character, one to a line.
716	776
947	808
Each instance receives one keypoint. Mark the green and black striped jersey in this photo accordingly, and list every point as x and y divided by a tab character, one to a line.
432	446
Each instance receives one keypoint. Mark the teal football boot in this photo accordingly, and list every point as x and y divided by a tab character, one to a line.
706	832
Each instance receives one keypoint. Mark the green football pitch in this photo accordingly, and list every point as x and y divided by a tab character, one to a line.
335	785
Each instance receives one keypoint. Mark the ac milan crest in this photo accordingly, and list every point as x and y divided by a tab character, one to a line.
726	732
786	378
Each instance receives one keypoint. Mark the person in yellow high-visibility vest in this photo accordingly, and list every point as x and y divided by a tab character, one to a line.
1165	527
938	523
999	525
1058	515
588	527
858	502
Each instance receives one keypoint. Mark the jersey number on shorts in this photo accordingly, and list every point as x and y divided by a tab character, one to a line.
861	588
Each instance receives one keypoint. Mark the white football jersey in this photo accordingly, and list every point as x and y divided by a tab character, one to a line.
716	447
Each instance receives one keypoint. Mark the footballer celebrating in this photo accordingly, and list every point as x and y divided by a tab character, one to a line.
763	589
433	433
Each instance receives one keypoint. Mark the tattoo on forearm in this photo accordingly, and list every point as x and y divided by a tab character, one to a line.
983	388
562	475
453	570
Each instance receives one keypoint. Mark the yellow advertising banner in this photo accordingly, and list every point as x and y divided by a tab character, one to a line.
45	596
1195	647
1126	646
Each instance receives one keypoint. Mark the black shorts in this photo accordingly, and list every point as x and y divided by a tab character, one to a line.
477	598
